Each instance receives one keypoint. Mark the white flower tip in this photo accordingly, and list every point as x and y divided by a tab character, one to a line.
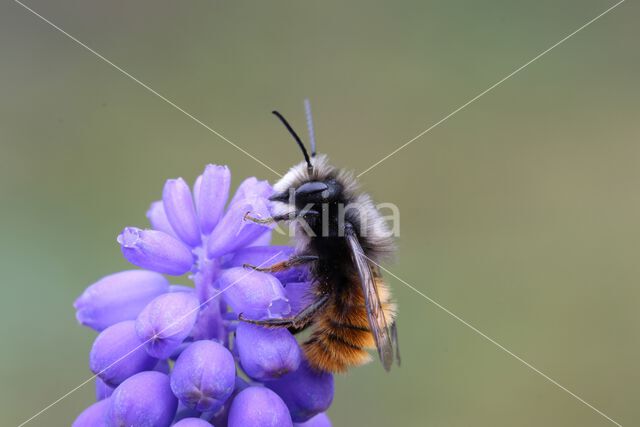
213	168
279	307
129	237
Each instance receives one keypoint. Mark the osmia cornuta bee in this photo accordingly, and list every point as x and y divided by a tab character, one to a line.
341	236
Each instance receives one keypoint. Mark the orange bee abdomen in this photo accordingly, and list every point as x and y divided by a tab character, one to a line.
341	335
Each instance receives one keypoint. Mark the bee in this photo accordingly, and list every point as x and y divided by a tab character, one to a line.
341	237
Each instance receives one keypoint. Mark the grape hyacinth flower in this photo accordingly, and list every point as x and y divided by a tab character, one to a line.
170	354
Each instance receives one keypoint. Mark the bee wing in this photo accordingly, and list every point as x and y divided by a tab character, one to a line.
375	313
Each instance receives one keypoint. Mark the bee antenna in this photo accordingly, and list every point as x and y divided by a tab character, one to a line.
297	138
312	137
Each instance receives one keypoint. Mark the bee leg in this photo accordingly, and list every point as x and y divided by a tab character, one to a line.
284	265
297	323
290	216
284	217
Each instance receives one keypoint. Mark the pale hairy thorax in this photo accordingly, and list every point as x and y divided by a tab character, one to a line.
373	232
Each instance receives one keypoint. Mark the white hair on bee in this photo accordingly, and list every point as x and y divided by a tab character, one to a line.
375	237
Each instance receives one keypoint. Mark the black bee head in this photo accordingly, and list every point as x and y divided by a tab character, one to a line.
311	192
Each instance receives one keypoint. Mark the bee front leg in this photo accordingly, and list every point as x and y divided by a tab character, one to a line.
297	323
284	265
284	217
291	216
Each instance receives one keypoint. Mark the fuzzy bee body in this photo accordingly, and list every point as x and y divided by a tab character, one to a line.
342	335
342	237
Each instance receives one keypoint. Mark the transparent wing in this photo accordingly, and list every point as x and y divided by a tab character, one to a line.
375	313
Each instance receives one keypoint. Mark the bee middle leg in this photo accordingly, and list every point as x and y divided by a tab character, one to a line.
296	323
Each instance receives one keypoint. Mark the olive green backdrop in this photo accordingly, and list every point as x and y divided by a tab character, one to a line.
520	214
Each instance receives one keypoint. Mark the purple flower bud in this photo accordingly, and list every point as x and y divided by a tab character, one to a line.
257	295
306	392
266	353
192	422
180	210
158	218
233	231
166	321
118	353
211	193
117	297
250	188
143	400
204	375
93	416
155	250
258	407
320	420
103	390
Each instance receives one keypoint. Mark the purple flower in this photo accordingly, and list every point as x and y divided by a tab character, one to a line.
211	192
192	422
181	212
118	353
94	415
259	407
144	399
320	420
305	392
231	234
256	295
166	353
266	353
156	251
204	376
103	390
117	297
166	321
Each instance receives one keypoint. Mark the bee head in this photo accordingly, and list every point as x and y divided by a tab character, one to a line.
310	192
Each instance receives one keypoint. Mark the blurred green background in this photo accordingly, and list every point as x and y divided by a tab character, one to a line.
521	213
